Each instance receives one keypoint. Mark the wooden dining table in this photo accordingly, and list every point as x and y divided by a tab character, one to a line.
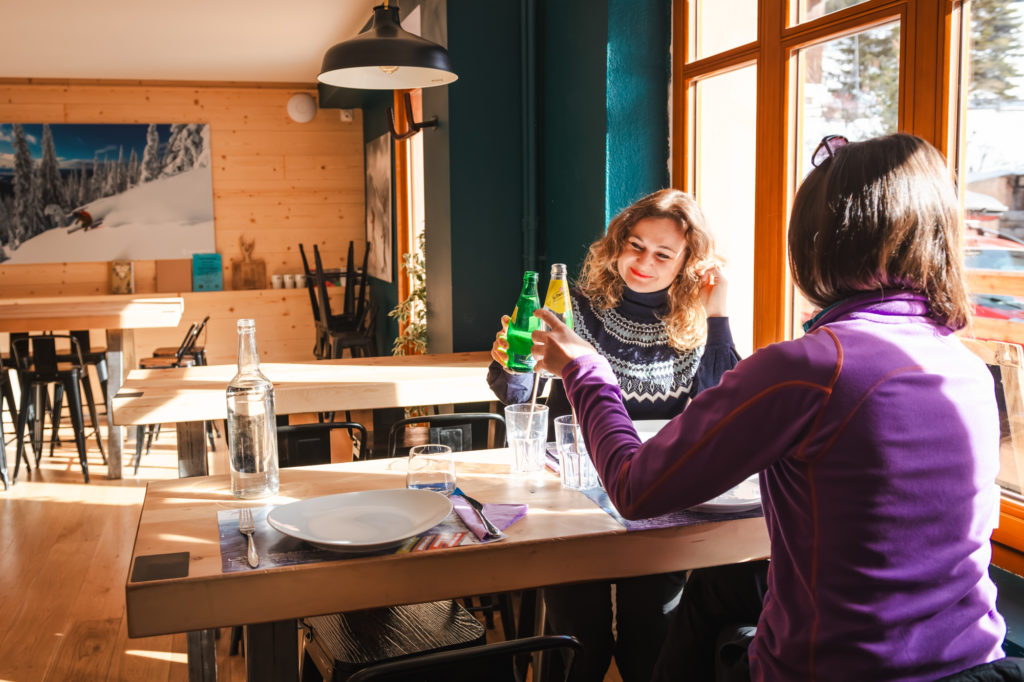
188	396
119	315
563	538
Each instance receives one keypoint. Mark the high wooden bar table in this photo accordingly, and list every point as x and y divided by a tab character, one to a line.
188	396
119	315
563	538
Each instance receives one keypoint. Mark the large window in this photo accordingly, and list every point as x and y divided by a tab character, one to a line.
725	191
806	10
720	26
949	71
992	166
844	86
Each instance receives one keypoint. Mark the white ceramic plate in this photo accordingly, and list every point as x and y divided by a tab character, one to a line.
645	428
745	496
365	521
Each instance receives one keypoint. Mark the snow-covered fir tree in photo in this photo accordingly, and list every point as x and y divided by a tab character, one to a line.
151	155
73	192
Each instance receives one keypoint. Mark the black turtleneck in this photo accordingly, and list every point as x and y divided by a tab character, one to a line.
656	380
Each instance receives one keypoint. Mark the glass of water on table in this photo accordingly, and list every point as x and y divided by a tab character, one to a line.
431	467
527	427
578	472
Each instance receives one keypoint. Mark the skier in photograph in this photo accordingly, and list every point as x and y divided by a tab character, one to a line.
82	220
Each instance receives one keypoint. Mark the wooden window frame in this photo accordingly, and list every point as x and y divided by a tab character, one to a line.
926	39
931	35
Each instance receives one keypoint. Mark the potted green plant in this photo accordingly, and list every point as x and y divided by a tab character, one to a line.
411	313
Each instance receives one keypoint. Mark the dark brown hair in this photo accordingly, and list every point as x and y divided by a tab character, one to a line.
881	214
599	279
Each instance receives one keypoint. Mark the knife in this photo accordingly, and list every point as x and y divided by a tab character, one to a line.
479	509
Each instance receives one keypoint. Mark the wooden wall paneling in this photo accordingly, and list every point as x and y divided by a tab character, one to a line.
274	180
284	324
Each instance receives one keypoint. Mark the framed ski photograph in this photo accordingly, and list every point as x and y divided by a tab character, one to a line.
378	207
102	192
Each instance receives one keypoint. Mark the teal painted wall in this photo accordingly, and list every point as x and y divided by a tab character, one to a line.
573	45
601	87
486	167
639	69
605	70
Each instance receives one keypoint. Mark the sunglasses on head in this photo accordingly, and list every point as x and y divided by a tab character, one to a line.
827	148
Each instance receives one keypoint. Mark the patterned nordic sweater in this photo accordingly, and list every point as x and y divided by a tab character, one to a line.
656	380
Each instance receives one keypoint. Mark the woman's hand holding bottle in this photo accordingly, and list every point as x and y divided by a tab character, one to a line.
558	345
499	350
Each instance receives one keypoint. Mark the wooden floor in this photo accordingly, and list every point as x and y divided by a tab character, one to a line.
64	553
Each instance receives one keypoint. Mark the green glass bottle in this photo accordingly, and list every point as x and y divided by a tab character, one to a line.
522	325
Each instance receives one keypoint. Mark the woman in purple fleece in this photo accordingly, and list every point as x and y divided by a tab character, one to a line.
875	434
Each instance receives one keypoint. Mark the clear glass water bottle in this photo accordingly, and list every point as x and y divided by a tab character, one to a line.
252	427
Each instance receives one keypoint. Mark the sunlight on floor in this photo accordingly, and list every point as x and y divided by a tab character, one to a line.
169	656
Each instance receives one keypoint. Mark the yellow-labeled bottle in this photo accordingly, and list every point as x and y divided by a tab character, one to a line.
558	300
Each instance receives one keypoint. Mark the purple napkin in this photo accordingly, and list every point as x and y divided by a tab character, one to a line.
501	515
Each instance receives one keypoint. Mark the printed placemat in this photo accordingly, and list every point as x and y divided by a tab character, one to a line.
277	549
687	517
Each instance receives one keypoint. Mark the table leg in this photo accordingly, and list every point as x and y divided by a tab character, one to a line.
120	359
202	655
192	449
272	652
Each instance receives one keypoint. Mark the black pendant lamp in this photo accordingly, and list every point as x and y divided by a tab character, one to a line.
386	57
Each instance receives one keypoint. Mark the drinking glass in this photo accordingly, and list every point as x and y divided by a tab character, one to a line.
578	472
527	427
431	467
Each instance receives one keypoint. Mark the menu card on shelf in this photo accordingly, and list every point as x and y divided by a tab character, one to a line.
174	276
207	272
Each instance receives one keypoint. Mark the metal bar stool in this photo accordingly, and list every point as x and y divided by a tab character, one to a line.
40	370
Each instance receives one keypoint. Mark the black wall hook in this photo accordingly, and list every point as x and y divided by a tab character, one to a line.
414	127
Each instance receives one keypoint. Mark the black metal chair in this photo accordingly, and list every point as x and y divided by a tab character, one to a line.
197	352
6	396
454	430
491	662
348	329
321	347
40	369
5	386
309	444
95	357
145	435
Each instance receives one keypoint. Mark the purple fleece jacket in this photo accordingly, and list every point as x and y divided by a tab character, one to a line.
877	441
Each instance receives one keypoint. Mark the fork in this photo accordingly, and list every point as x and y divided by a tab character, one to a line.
247	526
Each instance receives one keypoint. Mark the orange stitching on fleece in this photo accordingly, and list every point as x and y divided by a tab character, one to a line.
815	511
836	371
711	433
867	394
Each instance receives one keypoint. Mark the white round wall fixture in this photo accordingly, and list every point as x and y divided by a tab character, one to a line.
301	107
